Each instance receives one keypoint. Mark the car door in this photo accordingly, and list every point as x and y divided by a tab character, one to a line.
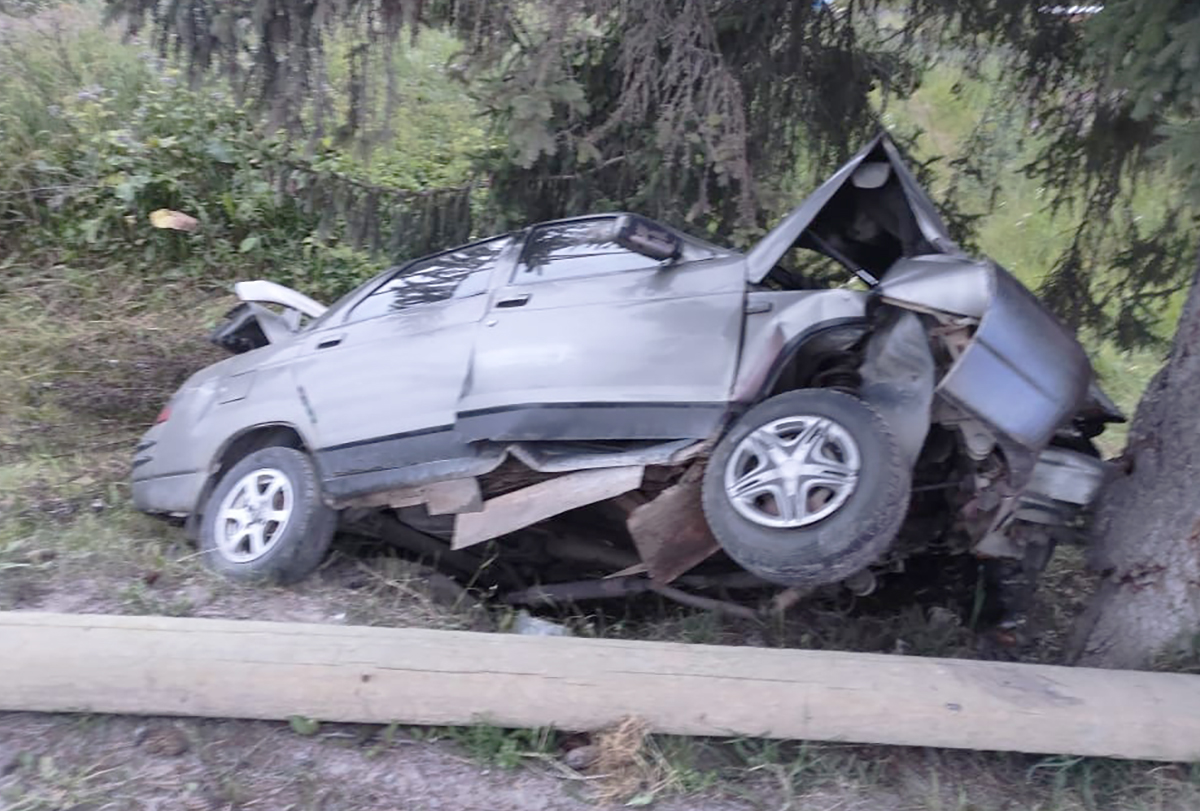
382	385
587	340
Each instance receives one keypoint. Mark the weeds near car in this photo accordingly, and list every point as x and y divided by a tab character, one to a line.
492	745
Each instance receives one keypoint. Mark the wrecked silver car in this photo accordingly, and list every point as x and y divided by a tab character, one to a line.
719	400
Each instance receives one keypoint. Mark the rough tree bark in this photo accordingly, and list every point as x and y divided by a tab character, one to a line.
1146	537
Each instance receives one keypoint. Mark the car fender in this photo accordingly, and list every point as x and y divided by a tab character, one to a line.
273	398
898	370
253	401
779	323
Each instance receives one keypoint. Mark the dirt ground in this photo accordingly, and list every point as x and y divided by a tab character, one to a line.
129	763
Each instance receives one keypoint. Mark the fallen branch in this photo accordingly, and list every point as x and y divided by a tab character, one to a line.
705	603
581	590
578	591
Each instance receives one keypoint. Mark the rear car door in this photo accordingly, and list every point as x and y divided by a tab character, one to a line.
382	385
588	340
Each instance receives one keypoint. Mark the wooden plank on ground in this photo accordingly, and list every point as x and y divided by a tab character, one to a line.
537	502
220	668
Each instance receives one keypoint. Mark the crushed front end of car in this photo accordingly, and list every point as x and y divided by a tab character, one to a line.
993	401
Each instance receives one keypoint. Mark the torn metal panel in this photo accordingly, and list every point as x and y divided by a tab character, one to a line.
250	326
940	284
1067	476
422	471
512	511
1062	481
898	378
906	193
1023	374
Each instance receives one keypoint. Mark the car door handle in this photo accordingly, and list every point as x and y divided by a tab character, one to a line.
331	341
514	301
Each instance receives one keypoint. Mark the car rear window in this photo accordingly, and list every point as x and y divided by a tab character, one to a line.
458	273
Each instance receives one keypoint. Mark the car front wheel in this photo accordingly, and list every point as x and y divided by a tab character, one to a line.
265	520
807	488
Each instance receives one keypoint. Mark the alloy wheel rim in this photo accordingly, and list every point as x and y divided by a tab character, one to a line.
254	515
792	472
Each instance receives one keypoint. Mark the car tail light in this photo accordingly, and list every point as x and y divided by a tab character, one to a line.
163	415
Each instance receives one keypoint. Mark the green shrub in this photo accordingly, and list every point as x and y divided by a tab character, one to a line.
96	135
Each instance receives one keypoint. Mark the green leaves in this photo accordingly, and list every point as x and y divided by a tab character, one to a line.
218	151
536	113
126	190
302	725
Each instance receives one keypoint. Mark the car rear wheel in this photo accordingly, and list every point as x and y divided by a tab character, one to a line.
807	488
265	520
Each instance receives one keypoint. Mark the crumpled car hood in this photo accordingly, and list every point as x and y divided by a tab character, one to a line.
775	244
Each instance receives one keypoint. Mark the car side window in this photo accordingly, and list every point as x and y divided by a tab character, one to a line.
577	249
458	273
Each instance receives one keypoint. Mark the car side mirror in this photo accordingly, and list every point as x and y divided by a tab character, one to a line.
648	238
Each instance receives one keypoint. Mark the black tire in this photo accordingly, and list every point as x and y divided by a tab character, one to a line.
303	540
854	535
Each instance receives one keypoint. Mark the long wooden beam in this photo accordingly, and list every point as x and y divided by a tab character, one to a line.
219	668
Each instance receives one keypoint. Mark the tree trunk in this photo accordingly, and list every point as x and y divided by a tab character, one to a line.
1146	537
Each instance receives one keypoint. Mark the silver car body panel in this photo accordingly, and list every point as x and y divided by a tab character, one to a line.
656	336
778	322
1062	482
209	412
1068	476
479	460
898	377
940	284
560	457
1023	373
413	363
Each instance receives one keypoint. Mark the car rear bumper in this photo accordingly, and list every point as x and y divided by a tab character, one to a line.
174	494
